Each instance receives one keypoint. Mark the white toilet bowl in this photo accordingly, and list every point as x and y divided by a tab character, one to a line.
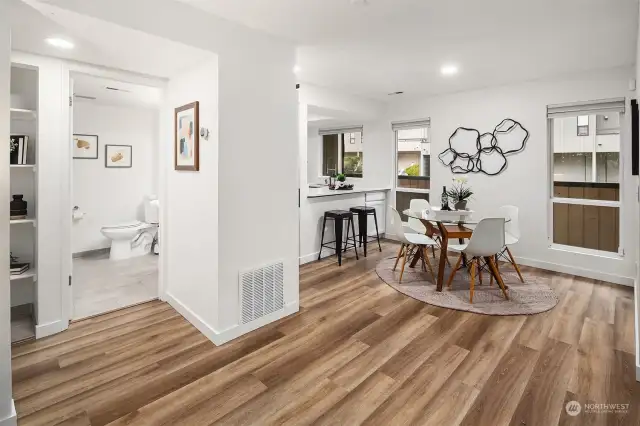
129	239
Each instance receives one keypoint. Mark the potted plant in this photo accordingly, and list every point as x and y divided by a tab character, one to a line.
341	178
460	193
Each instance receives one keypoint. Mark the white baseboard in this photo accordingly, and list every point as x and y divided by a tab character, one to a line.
581	272
50	328
12	418
221	337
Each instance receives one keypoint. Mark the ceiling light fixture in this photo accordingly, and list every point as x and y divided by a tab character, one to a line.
449	70
296	69
60	43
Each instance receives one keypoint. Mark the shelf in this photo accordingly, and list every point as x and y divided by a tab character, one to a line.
22	329
22	114
31	273
17	221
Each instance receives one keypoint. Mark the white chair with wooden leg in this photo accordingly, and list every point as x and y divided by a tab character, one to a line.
486	241
511	235
410	241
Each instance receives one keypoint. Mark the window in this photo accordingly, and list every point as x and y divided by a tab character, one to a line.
413	158
586	175
342	152
583	125
413	162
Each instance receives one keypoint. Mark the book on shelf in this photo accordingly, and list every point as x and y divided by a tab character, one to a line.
19	268
20	144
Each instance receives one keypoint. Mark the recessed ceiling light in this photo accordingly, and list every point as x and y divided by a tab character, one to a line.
449	70
296	69
60	43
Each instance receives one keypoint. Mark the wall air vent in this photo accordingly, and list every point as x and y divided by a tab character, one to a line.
261	292
91	98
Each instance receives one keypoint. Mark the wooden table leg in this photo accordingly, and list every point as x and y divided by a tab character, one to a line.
443	256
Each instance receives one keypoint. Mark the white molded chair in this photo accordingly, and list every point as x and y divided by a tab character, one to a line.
409	241
414	225
486	242
511	235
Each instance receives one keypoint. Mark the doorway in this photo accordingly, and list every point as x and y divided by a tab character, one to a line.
114	182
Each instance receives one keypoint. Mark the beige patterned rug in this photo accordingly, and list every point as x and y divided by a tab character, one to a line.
532	297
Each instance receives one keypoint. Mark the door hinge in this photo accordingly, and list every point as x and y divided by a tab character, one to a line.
69	280
70	101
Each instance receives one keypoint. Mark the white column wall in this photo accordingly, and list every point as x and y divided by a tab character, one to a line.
7	410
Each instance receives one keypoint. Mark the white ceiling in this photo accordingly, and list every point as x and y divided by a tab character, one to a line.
97	42
400	45
130	95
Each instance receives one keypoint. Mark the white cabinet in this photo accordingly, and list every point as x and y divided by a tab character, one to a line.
377	200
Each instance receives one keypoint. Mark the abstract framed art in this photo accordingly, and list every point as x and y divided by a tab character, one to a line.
118	156
85	147
187	137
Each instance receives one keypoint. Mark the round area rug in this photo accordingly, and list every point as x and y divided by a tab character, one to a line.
532	297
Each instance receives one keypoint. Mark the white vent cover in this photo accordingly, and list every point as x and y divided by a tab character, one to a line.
261	292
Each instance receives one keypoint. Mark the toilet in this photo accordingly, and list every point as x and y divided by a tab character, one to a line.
134	238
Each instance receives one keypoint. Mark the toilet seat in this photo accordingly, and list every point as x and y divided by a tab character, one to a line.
128	226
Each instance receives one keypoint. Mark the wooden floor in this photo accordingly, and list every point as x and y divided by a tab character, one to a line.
357	353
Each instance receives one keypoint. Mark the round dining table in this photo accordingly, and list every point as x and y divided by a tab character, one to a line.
443	225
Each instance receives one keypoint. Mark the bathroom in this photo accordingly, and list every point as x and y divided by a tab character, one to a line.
114	234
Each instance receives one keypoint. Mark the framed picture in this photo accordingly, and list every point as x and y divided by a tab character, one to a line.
85	147
118	156
187	137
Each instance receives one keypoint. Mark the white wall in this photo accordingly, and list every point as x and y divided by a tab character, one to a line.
110	196
190	208
256	88
7	411
258	186
525	182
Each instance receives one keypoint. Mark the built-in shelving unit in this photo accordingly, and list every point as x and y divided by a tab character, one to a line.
23	180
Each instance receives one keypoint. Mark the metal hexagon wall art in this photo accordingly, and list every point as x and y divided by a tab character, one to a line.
472	152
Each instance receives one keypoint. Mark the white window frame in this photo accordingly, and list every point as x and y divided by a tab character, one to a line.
574	109
340	132
424	123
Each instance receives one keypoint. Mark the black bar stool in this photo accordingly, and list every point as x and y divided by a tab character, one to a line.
339	216
363	212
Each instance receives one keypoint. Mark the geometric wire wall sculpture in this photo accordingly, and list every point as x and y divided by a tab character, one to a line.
472	152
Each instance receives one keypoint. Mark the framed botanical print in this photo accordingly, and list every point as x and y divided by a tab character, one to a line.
85	147
187	137
118	156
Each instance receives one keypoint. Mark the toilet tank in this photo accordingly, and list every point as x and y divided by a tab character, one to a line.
151	209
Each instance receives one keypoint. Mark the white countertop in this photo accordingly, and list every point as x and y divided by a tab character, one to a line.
326	192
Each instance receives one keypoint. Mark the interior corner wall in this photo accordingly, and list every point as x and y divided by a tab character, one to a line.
258	174
525	182
189	206
109	196
7	411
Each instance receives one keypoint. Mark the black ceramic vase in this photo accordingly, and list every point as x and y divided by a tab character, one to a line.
18	207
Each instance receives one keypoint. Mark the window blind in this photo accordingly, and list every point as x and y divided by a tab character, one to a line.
338	130
586	108
410	124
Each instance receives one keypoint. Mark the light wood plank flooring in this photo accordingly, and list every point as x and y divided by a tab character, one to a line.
356	353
